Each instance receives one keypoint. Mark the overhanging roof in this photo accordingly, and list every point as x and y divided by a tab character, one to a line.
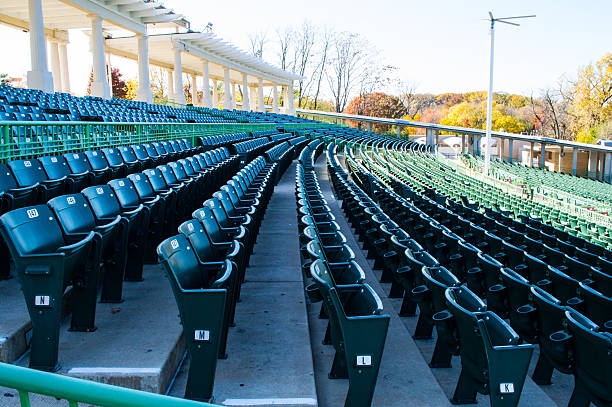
198	47
132	15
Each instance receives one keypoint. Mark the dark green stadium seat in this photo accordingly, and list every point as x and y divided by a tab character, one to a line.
517	293
555	342
433	309
493	360
105	206
593	361
358	331
201	291
597	306
115	162
102	171
46	263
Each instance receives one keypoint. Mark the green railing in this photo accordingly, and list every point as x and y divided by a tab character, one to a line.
21	140
76	391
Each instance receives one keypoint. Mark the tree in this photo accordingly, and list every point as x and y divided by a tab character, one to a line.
591	99
325	39
131	89
377	105
4	80
258	40
118	84
285	41
348	53
304	42
550	115
474	115
158	83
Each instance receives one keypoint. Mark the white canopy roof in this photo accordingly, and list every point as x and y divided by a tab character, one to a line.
132	15
198	47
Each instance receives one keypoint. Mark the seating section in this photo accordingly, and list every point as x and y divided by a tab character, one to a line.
465	266
357	326
107	231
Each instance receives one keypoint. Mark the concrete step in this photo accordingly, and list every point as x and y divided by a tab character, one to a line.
15	322
138	343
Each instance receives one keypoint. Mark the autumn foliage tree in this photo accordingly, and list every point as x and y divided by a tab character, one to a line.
377	105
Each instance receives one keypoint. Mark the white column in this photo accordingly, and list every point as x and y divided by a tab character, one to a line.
291	104
39	77
99	86
65	74
194	90
215	94
227	89
206	102
170	84
275	98
245	93
109	74
260	102
234	96
252	98
179	93
144	93
55	66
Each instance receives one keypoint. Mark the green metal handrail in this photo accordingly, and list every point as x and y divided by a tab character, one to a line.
21	140
27	381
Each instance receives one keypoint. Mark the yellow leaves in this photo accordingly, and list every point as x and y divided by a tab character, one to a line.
474	115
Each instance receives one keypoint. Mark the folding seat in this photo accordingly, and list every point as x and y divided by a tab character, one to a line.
169	194
490	271
185	188
352	310
519	307
105	206
11	194
142	156
593	361
164	153
472	273
493	360
176	148
183	171
555	342
515	256
433	311
77	220
220	234
156	157
46	263
201	291
517	238
130	159
56	168
30	173
80	165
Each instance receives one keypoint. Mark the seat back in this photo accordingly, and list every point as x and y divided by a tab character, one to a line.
168	175
27	172
113	156
78	163
593	355
156	179
194	231
55	167
143	186
102	201
127	154
31	230
73	213
7	180
125	192
179	259
96	160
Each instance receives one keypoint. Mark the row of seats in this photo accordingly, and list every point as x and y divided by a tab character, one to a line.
249	149
540	311
357	327
464	325
99	236
206	265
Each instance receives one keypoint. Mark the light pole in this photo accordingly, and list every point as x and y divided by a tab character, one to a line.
490	93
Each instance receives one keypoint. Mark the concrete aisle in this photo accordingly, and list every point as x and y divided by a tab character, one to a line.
269	357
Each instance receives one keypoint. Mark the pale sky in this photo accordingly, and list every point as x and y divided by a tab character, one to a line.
440	46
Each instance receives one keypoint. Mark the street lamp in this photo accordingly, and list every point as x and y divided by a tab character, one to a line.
490	93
